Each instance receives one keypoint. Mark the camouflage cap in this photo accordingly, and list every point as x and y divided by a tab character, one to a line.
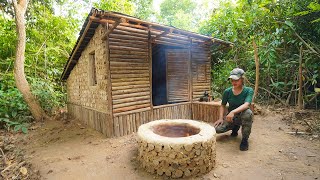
236	74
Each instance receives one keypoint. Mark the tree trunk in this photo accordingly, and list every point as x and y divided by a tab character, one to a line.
38	113
256	60
291	91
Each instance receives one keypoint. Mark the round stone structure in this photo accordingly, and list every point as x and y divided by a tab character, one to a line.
177	148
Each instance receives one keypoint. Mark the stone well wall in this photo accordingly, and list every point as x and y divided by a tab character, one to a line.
179	157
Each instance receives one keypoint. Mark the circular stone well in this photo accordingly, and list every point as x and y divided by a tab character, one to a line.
177	148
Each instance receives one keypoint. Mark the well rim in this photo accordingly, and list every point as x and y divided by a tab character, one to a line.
145	132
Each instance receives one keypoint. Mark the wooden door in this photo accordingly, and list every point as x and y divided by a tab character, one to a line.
178	69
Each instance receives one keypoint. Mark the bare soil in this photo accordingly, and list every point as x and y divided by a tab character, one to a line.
70	150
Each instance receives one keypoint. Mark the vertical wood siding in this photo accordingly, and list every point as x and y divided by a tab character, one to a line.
99	121
201	66
177	75
128	123
174	111
205	111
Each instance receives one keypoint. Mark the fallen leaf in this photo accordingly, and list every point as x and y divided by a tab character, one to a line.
23	171
8	162
225	165
215	175
50	171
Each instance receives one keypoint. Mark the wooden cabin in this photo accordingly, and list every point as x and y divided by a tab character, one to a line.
124	72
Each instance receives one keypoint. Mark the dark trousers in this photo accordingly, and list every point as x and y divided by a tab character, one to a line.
243	119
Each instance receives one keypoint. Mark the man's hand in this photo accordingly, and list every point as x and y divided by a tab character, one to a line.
218	123
230	116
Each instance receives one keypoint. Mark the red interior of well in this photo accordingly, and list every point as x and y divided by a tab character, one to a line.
175	130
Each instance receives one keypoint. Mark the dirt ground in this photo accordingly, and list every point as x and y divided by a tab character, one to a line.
69	150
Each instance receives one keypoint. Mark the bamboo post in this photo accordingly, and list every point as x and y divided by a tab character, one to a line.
150	74
109	90
300	96
190	75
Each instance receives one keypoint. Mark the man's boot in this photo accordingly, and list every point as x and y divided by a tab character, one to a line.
244	146
235	130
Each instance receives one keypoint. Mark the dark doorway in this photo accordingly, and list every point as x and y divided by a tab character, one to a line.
170	75
159	72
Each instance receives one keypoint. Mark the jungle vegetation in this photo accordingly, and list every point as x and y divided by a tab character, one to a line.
287	34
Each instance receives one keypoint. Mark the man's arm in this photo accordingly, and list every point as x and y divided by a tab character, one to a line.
222	111
241	108
223	108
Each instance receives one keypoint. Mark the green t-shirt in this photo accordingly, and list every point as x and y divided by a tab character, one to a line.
236	101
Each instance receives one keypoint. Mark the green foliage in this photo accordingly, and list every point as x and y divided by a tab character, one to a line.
143	9
50	94
122	6
50	38
138	8
170	9
185	14
14	112
15	125
274	25
7	34
220	73
313	8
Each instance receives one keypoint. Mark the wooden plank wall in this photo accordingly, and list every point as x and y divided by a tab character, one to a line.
205	112
129	67
201	66
92	118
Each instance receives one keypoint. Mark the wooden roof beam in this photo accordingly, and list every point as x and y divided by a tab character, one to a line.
161	35
226	43
155	25
110	20
152	26
102	21
114	25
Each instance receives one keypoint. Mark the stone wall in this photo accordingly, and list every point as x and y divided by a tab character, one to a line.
80	91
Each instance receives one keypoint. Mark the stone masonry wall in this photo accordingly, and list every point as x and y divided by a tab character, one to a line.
79	90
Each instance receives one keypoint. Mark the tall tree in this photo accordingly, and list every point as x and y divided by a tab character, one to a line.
178	14
123	6
22	84
138	8
185	14
143	9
